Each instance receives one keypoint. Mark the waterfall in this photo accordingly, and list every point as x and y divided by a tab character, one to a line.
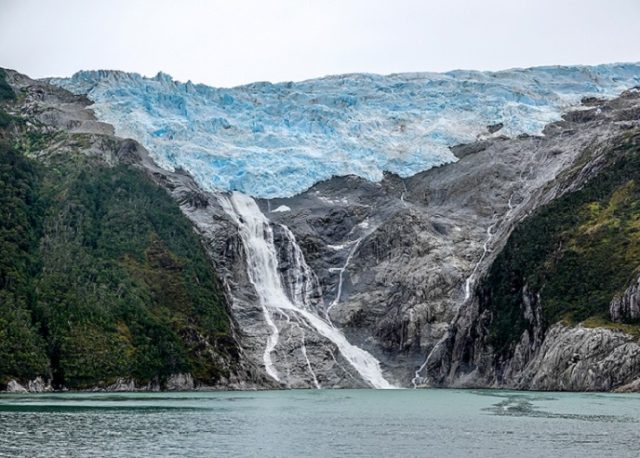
485	249
468	284
300	281
341	271
262	268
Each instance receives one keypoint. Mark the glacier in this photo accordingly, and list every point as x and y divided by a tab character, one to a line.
276	140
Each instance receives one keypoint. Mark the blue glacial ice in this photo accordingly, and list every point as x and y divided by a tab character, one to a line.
276	140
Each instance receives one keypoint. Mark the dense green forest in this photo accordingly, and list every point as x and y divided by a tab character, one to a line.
576	252
6	92
101	276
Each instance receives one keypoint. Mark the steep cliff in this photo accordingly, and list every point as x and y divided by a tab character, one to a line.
407	254
556	307
398	264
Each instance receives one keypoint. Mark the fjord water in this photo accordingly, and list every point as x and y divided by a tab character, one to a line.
321	423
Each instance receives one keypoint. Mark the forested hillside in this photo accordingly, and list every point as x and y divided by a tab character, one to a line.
101	276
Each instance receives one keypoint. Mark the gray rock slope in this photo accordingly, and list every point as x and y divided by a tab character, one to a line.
627	306
561	357
398	260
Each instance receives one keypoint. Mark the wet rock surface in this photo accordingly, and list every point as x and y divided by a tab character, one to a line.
407	249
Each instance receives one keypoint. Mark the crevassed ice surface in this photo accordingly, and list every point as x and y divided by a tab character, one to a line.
275	140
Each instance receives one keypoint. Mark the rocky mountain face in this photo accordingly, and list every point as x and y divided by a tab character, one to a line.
514	266
420	253
543	315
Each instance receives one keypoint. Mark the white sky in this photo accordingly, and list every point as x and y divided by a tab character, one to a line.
231	42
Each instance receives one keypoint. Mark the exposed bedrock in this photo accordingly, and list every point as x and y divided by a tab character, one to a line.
540	352
406	255
627	305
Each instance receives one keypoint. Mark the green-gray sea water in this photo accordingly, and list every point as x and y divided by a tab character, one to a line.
321	423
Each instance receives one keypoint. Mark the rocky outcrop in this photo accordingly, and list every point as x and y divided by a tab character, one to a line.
493	128
37	385
180	382
632	387
123	385
15	387
578	359
626	306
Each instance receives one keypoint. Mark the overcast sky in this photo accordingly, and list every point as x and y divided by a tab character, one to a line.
231	42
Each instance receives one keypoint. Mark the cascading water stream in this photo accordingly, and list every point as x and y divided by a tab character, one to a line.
468	284
485	250
262	268
341	271
301	281
467	289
